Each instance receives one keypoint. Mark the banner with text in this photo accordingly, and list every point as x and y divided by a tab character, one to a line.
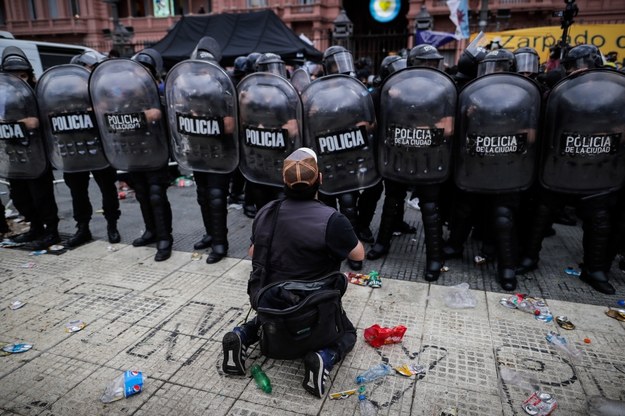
608	37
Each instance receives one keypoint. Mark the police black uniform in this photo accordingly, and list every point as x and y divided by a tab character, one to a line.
32	196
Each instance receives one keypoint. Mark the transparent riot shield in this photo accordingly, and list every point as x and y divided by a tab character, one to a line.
498	121
339	124
202	113
67	119
300	79
416	126
270	126
129	115
22	152
584	134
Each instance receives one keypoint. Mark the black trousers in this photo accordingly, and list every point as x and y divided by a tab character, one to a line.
212	196
34	199
342	346
78	183
151	192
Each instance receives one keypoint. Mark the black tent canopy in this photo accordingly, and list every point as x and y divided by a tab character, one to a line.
237	34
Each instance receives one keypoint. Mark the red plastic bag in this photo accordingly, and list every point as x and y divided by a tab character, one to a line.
377	335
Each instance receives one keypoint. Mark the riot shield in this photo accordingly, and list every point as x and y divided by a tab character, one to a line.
339	124
22	152
270	126
584	134
416	126
67	119
498	119
129	115
300	79
202	114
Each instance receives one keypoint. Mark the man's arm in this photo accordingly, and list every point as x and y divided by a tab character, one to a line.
358	253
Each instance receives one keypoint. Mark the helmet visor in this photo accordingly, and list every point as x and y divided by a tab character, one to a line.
490	67
526	63
340	63
277	68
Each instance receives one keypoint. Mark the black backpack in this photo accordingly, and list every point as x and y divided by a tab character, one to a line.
299	316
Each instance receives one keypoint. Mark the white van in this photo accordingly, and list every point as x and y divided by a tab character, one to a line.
42	55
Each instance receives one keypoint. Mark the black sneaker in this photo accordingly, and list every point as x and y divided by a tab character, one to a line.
234	354
316	373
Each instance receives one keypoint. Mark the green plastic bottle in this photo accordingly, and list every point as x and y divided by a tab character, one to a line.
262	381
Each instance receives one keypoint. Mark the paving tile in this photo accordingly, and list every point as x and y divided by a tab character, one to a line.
181	400
434	399
38	384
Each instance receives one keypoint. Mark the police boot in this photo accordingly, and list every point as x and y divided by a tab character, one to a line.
149	235
163	250
112	233
533	239
50	238
459	230
36	231
206	240
385	233
82	236
218	225
507	248
595	242
433	236
162	221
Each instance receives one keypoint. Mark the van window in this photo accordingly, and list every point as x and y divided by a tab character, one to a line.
51	55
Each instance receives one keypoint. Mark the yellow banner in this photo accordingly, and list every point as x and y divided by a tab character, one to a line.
608	38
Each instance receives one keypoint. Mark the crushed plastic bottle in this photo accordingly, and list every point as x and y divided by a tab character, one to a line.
374	373
459	297
124	385
563	345
262	381
366	407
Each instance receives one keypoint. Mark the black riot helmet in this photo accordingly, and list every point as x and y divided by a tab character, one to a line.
272	63
250	64
14	60
468	63
152	60
527	60
391	64
499	60
338	60
89	59
582	57
239	66
425	56
207	49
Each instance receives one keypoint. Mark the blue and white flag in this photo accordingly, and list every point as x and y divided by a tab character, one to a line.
459	15
430	37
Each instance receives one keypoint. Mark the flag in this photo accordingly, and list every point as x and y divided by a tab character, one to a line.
430	37
459	15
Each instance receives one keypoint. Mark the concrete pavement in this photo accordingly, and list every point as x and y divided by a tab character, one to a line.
167	319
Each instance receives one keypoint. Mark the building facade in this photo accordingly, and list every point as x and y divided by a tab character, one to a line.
93	22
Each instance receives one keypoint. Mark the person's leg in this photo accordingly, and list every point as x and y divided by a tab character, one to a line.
318	364
218	216
393	197
139	183
201	184
432	230
367	202
78	184
106	178
42	194
161	209
235	345
21	197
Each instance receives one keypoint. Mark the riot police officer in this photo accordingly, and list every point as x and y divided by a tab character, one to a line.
30	175
582	163
353	116
129	114
203	95
417	114
63	134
